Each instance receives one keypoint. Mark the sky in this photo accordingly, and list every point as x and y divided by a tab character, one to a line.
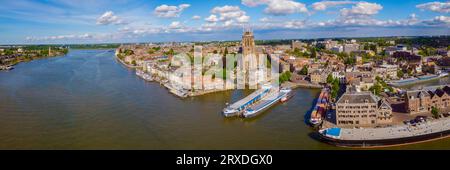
125	21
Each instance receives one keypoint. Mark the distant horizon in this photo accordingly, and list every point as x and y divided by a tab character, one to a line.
237	40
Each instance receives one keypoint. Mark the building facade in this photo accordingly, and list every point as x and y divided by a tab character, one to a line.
422	101
356	109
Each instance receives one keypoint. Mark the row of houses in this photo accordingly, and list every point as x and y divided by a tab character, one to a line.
421	101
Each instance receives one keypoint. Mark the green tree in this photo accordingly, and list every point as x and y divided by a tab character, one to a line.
400	73
435	112
129	52
335	88
304	70
285	76
350	61
313	52
330	79
133	62
156	48
376	89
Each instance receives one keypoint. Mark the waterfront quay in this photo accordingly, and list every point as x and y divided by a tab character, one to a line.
426	130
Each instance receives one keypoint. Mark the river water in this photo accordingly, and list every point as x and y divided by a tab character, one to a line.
88	100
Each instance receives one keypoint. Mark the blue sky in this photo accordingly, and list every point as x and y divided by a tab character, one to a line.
102	21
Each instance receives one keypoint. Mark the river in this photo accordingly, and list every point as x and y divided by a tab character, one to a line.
88	100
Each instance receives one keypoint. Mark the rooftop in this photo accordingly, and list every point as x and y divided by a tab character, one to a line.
357	97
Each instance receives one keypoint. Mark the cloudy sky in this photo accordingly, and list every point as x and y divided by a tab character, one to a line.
89	21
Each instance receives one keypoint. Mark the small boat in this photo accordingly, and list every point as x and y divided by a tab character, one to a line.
229	112
288	96
6	67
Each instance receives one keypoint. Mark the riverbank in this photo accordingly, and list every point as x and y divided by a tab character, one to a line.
125	64
11	65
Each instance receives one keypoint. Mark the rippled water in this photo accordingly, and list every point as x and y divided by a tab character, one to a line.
87	100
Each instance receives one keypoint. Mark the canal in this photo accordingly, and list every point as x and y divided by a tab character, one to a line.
88	100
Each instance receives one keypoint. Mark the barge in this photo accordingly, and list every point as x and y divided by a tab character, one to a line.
238	107
267	102
386	136
419	79
320	108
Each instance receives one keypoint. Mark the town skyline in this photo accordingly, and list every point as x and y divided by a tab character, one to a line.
65	22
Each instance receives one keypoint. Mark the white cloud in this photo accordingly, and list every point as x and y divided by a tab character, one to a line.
175	25
109	18
61	37
196	17
166	11
278	7
323	5
264	19
362	9
253	3
243	19
295	24
438	21
442	7
212	18
228	15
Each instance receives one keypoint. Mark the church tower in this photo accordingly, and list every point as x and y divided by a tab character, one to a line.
49	51
249	58
248	43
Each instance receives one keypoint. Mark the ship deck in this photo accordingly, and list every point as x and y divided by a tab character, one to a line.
266	100
247	100
399	131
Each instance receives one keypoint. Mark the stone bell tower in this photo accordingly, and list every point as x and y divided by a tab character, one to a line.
249	58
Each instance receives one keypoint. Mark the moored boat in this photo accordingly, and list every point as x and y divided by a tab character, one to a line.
266	103
238	107
386	136
320	108
288	96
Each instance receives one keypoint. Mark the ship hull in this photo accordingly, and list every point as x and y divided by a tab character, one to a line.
384	142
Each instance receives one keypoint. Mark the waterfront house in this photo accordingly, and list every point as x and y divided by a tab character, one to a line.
422	101
318	77
355	109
